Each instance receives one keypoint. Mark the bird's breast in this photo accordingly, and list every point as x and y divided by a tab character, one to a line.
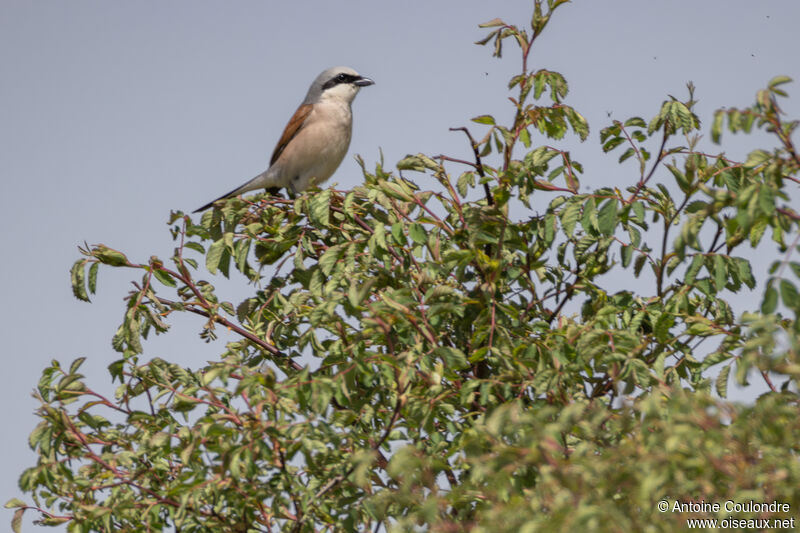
320	146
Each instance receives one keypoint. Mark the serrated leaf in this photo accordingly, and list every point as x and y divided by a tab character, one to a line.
159	439
358	291
164	278
214	255
700	329
635	121
453	357
92	281
745	272
109	256
328	260
465	180
721	382
607	217
720	272
78	280
417	233
756	158
418	163
663	324
210	374
694	268
569	218
319	209
766	200
196	246
589	218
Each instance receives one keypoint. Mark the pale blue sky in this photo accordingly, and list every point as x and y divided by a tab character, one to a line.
113	113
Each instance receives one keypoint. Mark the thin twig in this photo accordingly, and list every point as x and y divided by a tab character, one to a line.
237	329
478	164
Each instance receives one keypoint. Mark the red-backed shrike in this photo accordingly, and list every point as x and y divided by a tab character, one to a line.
316	139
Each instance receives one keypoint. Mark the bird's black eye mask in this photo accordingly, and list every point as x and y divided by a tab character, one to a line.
340	78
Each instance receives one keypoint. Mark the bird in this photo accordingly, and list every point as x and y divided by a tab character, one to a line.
315	140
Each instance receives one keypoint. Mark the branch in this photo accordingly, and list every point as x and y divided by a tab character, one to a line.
644	180
478	164
261	343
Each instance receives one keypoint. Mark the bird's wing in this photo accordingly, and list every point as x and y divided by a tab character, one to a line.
294	126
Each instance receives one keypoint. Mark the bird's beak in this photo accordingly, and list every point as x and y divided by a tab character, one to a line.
363	82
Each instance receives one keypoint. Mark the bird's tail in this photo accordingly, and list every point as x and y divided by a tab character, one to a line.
255	183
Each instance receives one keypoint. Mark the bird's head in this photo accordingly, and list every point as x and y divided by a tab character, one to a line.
341	83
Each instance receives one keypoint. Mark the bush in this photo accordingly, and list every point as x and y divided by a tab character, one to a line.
464	367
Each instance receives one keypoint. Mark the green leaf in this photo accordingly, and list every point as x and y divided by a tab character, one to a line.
525	137
16	521
663	324
164	278
635	121
789	295
76	364
700	329
214	255
680	178
766	200
78	280
92	282
716	126
638	210
14	503
196	246
328	260
319	208
778	80
721	382
607	217
626	253
694	268
757	158
417	233
465	180
589	219
484	119
770	302
418	163
109	256
358	291
794	265
492	23
638	265
720	272
626	154
569	217
745	272
453	357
